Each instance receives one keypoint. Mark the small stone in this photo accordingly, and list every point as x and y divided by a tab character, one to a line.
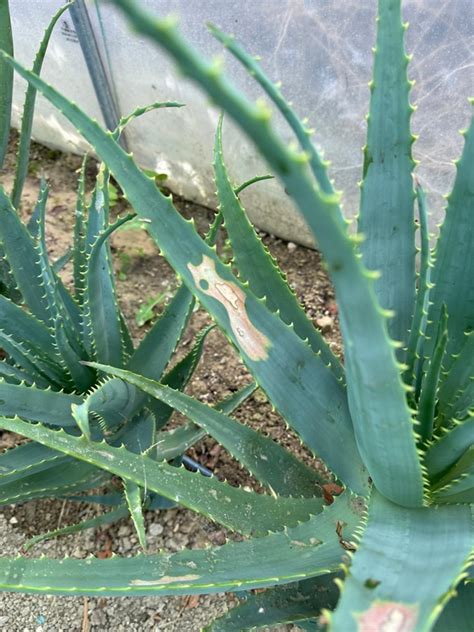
156	529
3	622
13	520
124	530
291	246
325	323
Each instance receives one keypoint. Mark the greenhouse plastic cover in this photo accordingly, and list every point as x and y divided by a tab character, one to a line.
319	49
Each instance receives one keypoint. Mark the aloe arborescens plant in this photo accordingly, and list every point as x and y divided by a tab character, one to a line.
394	425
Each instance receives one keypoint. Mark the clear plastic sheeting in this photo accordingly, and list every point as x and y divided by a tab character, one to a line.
319	49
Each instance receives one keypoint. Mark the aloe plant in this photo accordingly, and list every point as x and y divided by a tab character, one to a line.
394	425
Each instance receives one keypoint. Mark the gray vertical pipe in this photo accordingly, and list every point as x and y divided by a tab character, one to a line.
100	80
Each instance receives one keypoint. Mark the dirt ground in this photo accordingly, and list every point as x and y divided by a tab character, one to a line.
142	275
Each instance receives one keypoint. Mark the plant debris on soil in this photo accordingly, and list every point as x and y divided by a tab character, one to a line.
143	275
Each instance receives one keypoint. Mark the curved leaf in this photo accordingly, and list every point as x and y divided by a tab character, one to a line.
310	549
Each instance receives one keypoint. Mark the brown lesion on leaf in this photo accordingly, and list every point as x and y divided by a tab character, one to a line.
388	616
252	341
164	580
348	546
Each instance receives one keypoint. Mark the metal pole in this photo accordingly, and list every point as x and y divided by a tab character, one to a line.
100	80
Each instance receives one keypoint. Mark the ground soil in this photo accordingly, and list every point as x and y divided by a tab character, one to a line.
143	274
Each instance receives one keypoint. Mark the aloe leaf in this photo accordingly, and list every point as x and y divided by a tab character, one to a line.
269	462
28	111
173	443
251	181
6	79
383	425
32	403
62	261
398	573
427	403
287	359
101	307
414	356
107	518
157	347
102	323
134	497
453	272
26	459
456	383
24	260
458	614
80	222
309	549
303	134
71	476
240	510
23	328
290	603
139	437
140	111
386	205
13	375
256	265
114	401
178	377
458	480
449	447
62	307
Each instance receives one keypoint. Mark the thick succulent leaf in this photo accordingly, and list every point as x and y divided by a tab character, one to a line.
80	223
243	511
458	614
157	347
457	483
13	375
66	318
139	437
114	401
449	447
414	356
259	269
34	404
284	365
62	261
383	424
453	272
134	497
387	197
26	459
173	443
71	476
407	560
107	518
456	382
302	133
312	548
27	340
24	260
290	603
460	492
6	79
178	377
28	111
140	111
270	463
427	403
101	310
